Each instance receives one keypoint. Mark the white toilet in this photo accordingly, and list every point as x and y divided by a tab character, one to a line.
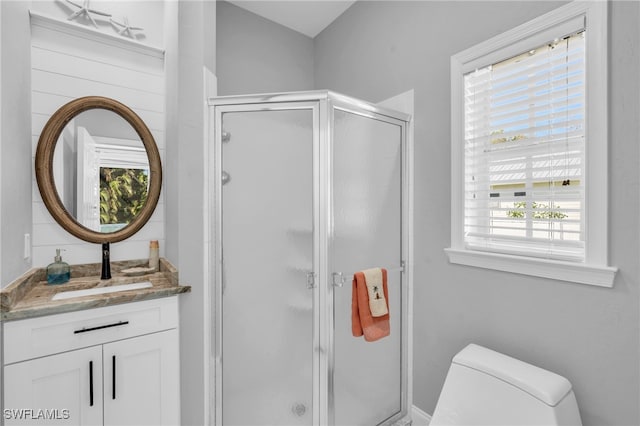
484	387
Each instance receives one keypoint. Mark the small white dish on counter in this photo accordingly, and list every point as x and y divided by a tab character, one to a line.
137	271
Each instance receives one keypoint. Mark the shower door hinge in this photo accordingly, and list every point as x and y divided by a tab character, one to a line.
225	177
311	280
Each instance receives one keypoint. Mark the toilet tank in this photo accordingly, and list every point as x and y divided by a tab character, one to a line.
484	387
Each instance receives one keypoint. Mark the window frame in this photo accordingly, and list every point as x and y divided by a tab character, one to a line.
594	270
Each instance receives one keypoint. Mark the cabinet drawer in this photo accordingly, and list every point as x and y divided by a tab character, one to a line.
36	337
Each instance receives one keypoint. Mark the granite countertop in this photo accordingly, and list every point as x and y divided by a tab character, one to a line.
30	295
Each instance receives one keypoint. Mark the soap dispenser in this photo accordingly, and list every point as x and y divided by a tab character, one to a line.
58	272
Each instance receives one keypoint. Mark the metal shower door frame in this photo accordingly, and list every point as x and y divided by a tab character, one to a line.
322	105
220	108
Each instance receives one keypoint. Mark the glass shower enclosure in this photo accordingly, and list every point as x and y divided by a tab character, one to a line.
308	188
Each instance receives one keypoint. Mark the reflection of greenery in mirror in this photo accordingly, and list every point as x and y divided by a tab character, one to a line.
123	193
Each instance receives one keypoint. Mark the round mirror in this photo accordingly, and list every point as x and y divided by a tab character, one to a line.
98	169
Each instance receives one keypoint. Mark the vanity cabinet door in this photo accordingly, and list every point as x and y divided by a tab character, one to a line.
63	389
141	380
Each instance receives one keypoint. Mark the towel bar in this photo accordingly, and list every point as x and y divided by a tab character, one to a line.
339	277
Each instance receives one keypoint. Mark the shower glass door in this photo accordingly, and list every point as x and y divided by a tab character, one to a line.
367	188
267	295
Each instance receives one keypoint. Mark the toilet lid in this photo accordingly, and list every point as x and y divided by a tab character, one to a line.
544	385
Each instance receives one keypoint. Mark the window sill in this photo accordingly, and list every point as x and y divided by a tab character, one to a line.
602	276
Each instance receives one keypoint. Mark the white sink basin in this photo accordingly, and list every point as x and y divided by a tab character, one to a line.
100	290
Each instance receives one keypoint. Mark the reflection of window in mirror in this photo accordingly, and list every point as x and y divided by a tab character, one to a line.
113	181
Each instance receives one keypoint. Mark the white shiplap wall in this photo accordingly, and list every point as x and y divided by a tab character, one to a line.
68	61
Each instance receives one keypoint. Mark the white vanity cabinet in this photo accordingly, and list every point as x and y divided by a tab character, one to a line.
62	382
116	365
141	380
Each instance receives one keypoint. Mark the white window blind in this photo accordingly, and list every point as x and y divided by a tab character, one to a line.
524	155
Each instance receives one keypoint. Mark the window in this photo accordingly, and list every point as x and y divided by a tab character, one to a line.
524	152
529	149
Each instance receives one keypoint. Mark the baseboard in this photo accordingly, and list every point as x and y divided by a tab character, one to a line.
419	417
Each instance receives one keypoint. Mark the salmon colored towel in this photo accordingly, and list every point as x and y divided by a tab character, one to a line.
362	322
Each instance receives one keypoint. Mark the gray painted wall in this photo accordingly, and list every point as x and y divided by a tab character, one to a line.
590	335
255	55
16	165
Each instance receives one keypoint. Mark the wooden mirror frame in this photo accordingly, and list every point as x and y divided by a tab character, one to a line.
44	168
